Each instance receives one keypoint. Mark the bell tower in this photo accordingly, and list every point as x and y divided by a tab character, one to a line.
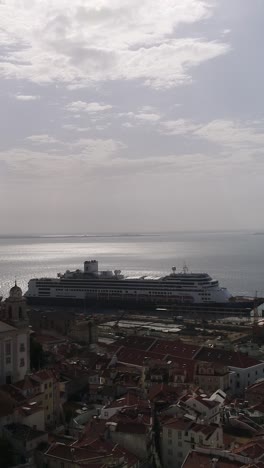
15	308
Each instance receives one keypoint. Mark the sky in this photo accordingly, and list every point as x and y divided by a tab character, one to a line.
131	115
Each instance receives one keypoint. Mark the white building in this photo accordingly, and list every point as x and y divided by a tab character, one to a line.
130	400
180	435
206	409
244	370
14	338
243	377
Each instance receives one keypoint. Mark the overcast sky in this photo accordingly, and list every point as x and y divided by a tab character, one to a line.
131	115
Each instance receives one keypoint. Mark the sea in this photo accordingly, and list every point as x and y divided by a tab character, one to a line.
236	259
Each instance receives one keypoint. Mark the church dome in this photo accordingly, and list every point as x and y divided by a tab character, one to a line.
15	291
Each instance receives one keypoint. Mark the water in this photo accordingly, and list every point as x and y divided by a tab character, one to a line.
236	259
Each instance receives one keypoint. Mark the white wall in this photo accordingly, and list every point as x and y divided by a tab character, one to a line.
107	413
210	414
36	419
240	378
176	447
21	371
135	443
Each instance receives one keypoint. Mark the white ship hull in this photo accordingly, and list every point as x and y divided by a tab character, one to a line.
91	285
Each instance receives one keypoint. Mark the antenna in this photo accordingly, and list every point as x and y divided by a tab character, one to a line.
185	268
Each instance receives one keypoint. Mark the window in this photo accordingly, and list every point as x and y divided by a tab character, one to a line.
170	442
169	433
170	451
45	386
179	435
179	454
22	362
49	384
22	347
8	360
180	443
8	348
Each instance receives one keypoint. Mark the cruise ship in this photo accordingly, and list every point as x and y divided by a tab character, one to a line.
92	286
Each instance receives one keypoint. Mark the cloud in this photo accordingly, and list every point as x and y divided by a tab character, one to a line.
78	159
75	128
128	125
97	149
26	97
166	164
90	107
145	114
233	133
226	31
82	43
178	127
92	157
229	133
42	139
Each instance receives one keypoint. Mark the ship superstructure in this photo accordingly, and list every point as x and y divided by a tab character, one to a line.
92	285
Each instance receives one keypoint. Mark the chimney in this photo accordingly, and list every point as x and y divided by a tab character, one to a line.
72	453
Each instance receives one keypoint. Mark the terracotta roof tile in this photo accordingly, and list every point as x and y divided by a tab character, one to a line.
160	391
138	342
128	400
185	424
254	449
15	393
228	358
257	387
23	432
135	357
175	348
202	460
